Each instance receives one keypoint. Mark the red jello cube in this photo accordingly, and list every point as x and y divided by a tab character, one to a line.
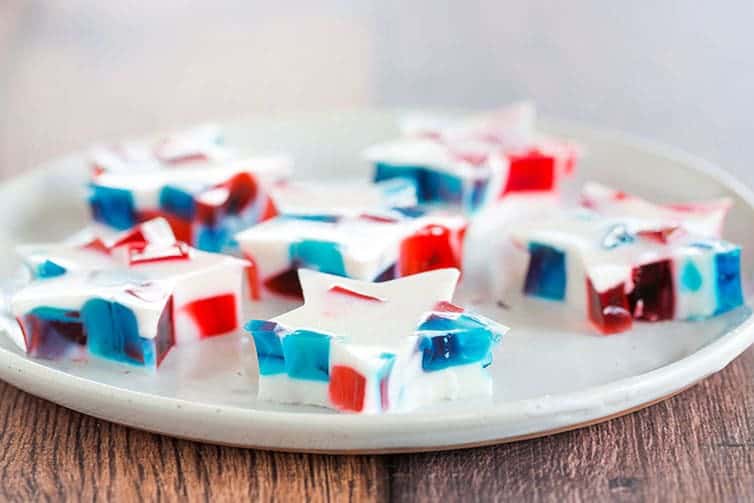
431	247
214	315
531	170
347	388
609	311
653	297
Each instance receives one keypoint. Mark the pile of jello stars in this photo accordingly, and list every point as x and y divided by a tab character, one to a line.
188	236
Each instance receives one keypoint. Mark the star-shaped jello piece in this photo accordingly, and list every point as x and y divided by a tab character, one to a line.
375	347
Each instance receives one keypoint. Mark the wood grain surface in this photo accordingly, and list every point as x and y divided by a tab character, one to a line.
698	446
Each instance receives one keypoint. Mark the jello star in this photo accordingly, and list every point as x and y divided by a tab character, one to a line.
374	347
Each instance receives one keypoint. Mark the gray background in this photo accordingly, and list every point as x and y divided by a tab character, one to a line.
76	71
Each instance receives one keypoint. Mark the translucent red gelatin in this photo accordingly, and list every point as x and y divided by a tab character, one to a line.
51	338
270	211
384	393
652	298
447	307
165	339
341	290
609	311
252	277
432	247
347	388
286	284
377	218
141	254
97	244
661	236
243	191
214	315
133	237
528	171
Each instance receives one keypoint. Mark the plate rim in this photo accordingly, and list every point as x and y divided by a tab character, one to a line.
616	398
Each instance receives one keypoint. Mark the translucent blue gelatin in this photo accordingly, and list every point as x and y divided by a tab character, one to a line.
323	256
112	207
431	185
113	333
477	196
441	187
398	190
459	341
177	202
268	346
49	269
546	276
213	239
307	355
617	235
691	278
387	367
728	277
384	171
50	332
411	212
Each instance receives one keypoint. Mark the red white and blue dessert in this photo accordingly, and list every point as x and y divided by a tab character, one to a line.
366	347
370	246
626	259
129	298
205	205
475	161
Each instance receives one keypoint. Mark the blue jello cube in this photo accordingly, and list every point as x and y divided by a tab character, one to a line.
450	341
269	347
113	207
113	333
307	355
546	276
323	256
728	278
177	202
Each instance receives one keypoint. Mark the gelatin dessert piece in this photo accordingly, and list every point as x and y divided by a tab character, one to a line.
128	298
475	162
624	269
369	247
200	145
702	218
375	347
91	249
111	315
204	205
333	199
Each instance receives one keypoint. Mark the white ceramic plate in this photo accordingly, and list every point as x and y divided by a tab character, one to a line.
551	373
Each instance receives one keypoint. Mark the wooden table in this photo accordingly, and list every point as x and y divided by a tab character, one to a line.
696	446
